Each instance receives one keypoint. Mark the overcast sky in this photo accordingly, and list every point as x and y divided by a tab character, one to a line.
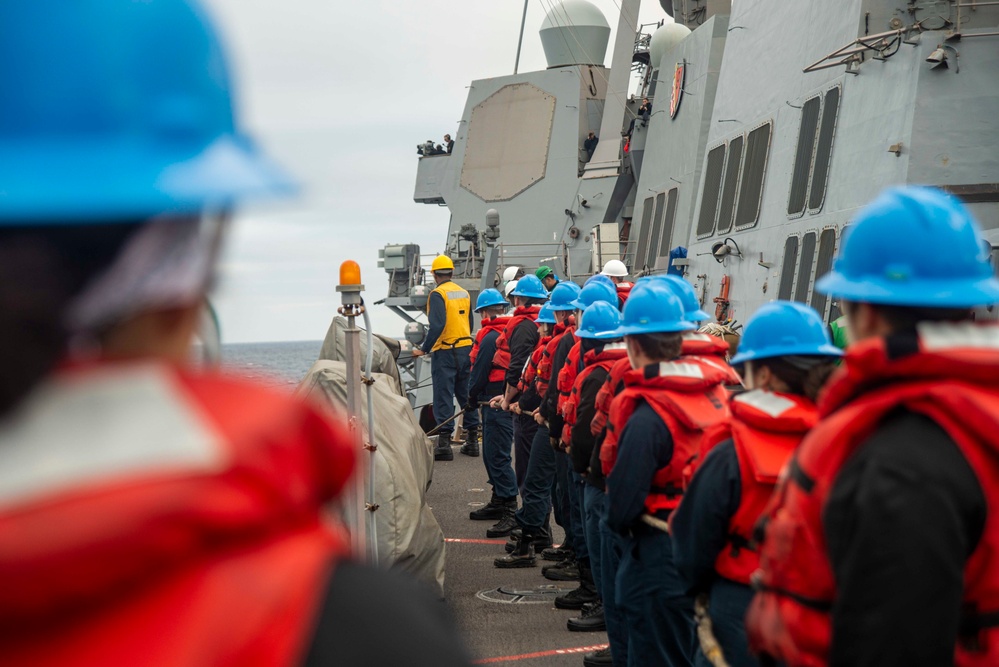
340	92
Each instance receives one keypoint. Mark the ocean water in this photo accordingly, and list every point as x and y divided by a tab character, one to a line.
274	364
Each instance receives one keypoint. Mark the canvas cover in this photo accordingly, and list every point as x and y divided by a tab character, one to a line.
409	537
386	350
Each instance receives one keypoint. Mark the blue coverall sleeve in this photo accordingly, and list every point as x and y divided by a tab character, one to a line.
437	317
483	364
644	447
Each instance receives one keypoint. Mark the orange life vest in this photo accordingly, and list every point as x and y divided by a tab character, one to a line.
689	397
605	359
566	378
765	428
493	324
501	360
183	526
954	380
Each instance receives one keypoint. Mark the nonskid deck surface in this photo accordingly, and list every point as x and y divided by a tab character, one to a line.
513	630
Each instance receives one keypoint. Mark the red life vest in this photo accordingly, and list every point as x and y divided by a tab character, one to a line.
196	540
612	387
690	399
608	356
710	348
501	360
529	378
545	366
566	378
493	324
954	380
766	428
623	291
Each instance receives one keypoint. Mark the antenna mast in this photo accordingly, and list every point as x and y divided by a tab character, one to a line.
520	42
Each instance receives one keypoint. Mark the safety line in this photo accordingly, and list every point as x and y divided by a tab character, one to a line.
541	654
463	540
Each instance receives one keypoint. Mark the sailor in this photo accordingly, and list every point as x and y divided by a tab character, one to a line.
881	546
153	512
547	277
660	417
590	145
594	291
785	357
601	348
513	350
562	300
508	288
448	144
617	272
449	339
497	425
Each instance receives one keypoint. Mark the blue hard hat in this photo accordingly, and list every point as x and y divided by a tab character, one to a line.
782	329
530	287
600	278
545	315
913	246
564	296
595	291
600	321
118	110
489	297
688	297
652	308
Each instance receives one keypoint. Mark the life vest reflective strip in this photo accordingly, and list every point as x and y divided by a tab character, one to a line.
501	360
457	329
710	347
161	559
952	379
766	428
690	399
493	324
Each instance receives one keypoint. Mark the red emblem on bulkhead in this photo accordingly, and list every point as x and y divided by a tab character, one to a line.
677	92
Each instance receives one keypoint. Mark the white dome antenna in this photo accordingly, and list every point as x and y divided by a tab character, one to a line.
575	32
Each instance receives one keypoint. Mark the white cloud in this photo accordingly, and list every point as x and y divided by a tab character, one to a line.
340	93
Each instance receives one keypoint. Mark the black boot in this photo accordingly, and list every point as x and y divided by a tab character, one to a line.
442	448
522	555
502	527
557	554
496	509
591	620
471	446
566	570
598	658
586	592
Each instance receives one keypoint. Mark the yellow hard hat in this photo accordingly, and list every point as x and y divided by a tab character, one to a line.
442	263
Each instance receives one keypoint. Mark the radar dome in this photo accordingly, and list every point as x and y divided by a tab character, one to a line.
664	39
575	32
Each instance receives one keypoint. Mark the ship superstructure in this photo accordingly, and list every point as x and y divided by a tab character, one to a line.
771	124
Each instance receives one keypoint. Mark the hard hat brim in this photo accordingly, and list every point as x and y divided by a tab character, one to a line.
639	329
598	335
937	293
697	316
825	350
68	182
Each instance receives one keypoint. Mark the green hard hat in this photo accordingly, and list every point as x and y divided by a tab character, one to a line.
543	272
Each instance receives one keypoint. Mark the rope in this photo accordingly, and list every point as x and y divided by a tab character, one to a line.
705	633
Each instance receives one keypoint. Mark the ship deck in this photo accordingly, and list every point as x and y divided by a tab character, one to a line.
512	631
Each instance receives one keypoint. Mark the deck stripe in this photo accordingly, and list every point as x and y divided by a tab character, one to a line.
464	540
541	654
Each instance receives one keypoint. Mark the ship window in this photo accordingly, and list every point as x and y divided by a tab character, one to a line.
712	184
757	147
805	268
823	150
787	268
671	198
657	228
732	168
803	157
643	235
827	246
